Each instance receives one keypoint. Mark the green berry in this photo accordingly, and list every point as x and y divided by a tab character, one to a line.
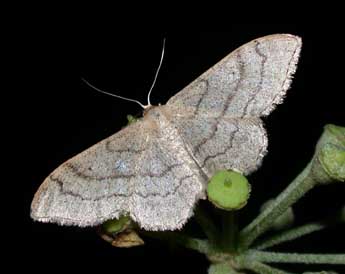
228	190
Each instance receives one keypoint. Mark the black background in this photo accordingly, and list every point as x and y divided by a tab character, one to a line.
60	116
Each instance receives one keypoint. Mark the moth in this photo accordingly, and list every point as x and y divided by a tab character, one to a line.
156	169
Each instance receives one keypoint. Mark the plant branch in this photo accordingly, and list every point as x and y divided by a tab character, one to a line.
206	223
326	166
221	268
320	272
276	257
229	231
261	268
199	245
290	235
300	231
302	184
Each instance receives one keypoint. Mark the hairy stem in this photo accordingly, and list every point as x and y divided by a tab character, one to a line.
199	245
261	268
297	232
302	184
276	257
290	235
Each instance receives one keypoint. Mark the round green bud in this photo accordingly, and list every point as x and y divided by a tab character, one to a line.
328	164
332	158
116	225
336	134
131	119
228	190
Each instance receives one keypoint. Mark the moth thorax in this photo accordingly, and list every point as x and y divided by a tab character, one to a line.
153	112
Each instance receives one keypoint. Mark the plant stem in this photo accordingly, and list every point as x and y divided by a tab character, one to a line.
199	245
290	235
229	231
276	257
297	232
261	268
207	225
302	184
221	268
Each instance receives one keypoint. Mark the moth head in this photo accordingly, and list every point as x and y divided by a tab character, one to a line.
147	109
153	112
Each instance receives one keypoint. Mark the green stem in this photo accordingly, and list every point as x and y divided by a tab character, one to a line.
276	257
199	245
302	184
290	235
326	166
297	232
229	231
221	268
261	268
322	272
207	225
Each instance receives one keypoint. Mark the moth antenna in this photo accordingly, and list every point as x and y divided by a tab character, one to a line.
114	95
156	75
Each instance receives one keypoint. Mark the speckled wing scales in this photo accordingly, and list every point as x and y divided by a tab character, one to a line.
250	81
133	172
226	143
218	114
92	186
170	182
157	168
